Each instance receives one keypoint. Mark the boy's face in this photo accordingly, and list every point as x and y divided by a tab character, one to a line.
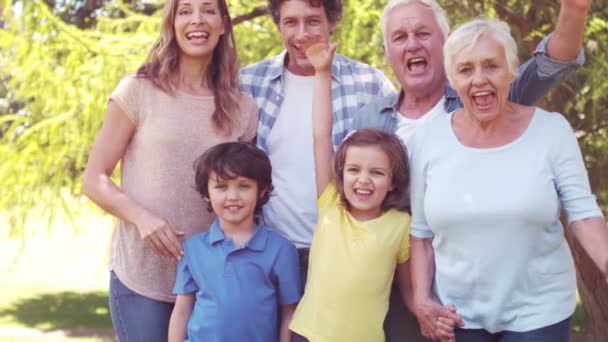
233	200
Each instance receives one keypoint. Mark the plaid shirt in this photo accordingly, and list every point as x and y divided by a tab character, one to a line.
354	85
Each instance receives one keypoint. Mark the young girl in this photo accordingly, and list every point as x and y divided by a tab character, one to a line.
182	101
362	234
234	277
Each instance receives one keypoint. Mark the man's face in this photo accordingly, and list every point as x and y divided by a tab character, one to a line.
299	24
414	47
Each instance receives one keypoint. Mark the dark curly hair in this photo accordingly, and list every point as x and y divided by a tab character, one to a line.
398	198
333	9
231	160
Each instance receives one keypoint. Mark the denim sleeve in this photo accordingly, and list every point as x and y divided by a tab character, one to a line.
540	74
570	175
287	274
184	283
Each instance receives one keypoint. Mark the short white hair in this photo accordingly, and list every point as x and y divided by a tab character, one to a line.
467	35
440	17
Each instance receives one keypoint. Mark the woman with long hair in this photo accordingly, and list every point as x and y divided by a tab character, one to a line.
182	101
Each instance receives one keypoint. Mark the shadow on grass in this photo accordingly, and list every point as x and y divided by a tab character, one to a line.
69	311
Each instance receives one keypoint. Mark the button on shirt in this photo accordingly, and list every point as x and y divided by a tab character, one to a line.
238	289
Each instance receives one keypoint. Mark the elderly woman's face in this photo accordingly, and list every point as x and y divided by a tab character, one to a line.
480	74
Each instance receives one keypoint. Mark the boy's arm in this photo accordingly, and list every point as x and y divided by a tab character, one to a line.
287	311
179	317
321	56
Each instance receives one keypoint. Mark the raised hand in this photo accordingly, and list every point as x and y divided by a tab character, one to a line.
161	236
320	55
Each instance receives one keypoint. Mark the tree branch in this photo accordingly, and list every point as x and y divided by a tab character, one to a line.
256	12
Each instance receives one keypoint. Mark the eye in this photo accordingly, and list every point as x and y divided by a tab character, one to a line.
245	186
221	186
423	34
210	11
352	169
464	70
184	12
399	37
314	21
378	172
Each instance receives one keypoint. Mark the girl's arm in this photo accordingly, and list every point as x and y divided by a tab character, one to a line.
109	148
436	321
321	56
178	324
287	311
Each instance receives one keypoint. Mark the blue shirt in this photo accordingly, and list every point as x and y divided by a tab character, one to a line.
238	290
535	79
354	85
501	256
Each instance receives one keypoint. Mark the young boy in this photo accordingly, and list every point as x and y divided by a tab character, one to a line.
234	277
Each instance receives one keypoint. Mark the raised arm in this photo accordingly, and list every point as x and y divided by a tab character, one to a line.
567	38
320	56
108	149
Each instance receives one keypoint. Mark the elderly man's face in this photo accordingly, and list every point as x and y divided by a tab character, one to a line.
480	74
414	47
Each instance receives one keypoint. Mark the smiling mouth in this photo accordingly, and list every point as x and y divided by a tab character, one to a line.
483	99
363	193
197	35
416	64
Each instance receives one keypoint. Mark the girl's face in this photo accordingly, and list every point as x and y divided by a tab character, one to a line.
367	180
198	27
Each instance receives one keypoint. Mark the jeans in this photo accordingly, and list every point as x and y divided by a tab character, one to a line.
558	332
400	324
137	318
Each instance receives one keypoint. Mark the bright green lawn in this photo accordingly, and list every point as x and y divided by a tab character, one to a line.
56	286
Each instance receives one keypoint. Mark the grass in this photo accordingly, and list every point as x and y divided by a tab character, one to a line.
54	287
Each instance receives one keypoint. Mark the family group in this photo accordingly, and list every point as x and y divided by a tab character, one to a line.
304	198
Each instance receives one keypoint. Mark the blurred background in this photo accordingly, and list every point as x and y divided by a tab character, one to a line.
60	60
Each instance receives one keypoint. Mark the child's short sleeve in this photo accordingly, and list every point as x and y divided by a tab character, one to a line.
184	283
404	246
127	95
329	198
287	274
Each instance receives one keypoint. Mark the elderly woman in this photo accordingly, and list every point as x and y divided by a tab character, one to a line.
488	183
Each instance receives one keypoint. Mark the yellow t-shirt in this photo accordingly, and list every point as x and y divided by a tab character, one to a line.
351	270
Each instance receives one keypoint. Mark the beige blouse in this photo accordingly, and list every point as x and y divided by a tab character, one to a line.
157	172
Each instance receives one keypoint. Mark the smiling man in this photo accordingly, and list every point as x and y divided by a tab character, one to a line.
283	87
414	32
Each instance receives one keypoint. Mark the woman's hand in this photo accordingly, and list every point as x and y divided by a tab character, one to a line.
437	321
161	236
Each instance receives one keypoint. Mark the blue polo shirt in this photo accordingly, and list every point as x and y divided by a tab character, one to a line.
238	289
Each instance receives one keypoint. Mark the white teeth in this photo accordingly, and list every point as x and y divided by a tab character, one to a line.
416	60
363	192
482	93
198	34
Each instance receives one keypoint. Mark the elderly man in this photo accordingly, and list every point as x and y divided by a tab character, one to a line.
414	32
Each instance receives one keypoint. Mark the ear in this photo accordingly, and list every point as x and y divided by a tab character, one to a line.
332	28
262	193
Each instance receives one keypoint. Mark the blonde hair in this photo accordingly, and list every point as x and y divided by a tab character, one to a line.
467	35
222	74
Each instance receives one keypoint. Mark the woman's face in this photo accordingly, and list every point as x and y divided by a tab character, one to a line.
198	27
481	76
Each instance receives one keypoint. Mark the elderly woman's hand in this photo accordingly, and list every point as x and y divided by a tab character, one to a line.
437	321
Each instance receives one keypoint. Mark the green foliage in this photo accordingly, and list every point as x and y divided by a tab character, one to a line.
56	78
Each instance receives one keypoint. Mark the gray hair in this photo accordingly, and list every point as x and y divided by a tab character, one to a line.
467	35
440	17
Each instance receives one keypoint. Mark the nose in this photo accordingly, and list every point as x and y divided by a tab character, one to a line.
197	17
232	193
412	44
478	76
